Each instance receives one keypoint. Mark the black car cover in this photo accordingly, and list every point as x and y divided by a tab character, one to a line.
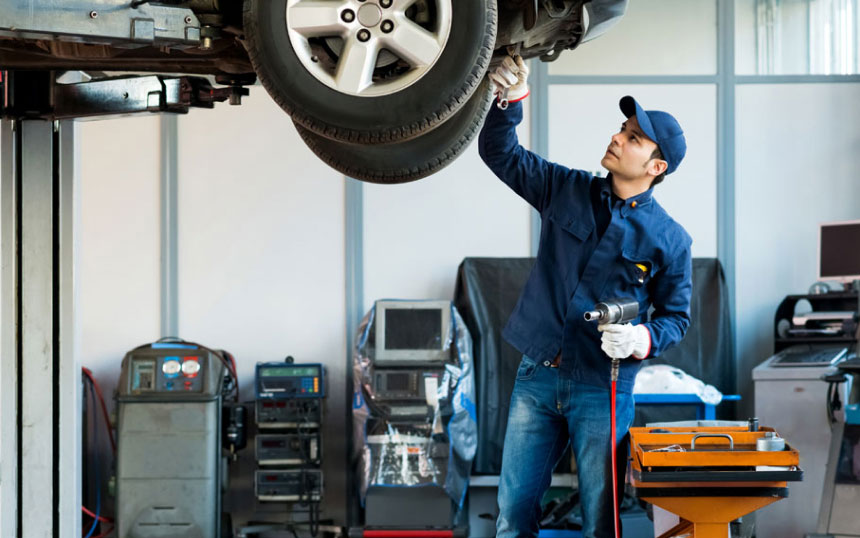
488	289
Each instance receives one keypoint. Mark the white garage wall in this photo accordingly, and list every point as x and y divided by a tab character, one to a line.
583	118
120	245
797	164
119	256
261	267
645	42
416	234
261	257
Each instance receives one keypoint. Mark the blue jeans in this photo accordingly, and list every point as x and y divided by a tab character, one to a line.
548	410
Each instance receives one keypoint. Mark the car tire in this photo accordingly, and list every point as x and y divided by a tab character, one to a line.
445	85
407	160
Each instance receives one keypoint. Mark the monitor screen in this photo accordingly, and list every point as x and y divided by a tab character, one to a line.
414	328
839	252
412	332
397	382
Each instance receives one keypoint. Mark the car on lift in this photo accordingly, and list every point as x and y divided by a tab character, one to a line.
385	91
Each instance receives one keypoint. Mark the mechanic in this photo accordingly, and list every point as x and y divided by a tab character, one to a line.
600	239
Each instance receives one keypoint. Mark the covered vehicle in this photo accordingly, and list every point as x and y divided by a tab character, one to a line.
383	90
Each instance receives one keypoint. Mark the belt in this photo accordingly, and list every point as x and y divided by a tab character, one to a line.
556	361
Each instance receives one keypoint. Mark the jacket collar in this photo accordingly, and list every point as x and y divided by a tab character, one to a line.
634	202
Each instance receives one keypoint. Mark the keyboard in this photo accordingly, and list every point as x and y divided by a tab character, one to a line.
810	355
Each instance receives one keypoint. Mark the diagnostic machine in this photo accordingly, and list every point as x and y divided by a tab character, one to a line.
168	475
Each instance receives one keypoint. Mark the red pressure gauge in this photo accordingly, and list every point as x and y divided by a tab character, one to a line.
190	366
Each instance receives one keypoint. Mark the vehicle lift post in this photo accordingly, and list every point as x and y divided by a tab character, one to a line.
40	370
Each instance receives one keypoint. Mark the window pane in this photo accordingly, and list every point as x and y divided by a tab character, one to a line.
796	37
655	37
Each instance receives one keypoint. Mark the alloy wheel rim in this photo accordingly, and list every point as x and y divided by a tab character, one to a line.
369	48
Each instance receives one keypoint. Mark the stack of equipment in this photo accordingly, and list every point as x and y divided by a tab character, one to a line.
826	317
409	360
413	415
289	414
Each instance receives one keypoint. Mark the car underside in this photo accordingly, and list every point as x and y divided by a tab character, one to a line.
352	74
543	29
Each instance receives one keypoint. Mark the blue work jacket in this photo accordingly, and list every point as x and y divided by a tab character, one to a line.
643	254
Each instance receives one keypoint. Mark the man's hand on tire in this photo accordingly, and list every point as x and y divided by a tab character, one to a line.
512	75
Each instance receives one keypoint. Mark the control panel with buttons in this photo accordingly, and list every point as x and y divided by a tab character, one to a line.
169	373
282	381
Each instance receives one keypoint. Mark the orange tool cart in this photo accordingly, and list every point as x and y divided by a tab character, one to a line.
710	476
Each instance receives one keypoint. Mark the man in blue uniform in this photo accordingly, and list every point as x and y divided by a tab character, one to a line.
600	239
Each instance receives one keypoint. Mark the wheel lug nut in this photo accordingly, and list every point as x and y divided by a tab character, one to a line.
387	26
363	35
385	3
348	16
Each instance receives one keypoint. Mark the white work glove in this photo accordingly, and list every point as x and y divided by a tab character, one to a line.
512	74
621	341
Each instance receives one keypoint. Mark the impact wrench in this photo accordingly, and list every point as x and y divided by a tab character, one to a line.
619	310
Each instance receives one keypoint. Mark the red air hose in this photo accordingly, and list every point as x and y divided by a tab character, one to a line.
612	450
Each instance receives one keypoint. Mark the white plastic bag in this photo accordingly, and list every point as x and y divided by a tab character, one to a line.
665	379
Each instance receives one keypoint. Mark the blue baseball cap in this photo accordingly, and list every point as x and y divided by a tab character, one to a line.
662	128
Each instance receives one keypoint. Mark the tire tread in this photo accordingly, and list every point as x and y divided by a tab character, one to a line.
392	134
328	151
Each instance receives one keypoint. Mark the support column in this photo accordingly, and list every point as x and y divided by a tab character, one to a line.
8	334
40	376
67	206
37	341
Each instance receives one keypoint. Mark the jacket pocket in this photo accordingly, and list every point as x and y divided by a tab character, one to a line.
562	247
579	228
636	270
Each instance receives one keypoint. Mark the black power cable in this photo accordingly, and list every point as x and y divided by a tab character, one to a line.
305	479
834	403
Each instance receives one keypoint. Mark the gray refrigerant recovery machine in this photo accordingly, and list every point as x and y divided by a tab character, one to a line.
169	458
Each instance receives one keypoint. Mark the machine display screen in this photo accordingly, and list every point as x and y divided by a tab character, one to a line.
143	375
290	371
397	382
413	328
840	250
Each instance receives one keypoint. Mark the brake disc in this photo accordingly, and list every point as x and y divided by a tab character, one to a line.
335	45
